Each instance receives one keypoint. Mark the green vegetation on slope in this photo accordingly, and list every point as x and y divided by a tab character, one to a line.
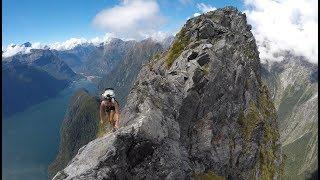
177	47
290	99
263	110
79	127
209	176
249	121
271	135
296	154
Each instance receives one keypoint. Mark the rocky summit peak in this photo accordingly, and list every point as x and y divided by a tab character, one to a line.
198	110
27	44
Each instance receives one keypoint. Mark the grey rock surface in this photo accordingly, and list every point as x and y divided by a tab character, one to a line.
186	118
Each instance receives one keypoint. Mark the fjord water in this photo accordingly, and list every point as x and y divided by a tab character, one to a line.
30	139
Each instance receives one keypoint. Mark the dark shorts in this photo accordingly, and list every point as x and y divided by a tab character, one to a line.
108	109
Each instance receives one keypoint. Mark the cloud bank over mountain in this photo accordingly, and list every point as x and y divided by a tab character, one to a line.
71	43
284	25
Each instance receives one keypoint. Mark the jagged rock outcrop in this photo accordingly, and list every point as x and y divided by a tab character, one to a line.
201	109
293	84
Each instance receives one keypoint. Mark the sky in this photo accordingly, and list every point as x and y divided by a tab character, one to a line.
62	24
48	21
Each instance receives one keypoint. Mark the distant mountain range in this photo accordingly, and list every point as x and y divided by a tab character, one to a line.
77	56
57	67
42	59
28	79
25	85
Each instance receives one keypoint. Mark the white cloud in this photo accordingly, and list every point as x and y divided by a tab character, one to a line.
158	35
185	2
205	8
284	25
130	19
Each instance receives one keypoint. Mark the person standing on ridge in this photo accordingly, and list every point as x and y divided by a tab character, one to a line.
109	109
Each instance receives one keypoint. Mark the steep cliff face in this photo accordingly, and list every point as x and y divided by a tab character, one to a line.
199	110
294	89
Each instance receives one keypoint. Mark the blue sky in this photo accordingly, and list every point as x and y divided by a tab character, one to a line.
59	20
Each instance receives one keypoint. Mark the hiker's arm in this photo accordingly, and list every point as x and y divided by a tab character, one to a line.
117	114
102	112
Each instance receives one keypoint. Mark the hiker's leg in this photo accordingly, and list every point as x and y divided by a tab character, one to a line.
116	120
111	118
117	115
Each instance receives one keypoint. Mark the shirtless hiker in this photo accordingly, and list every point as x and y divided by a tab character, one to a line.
109	109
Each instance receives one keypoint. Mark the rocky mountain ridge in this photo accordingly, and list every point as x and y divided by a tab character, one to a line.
44	60
201	109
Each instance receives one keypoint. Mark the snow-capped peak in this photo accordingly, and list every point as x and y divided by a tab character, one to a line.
25	48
